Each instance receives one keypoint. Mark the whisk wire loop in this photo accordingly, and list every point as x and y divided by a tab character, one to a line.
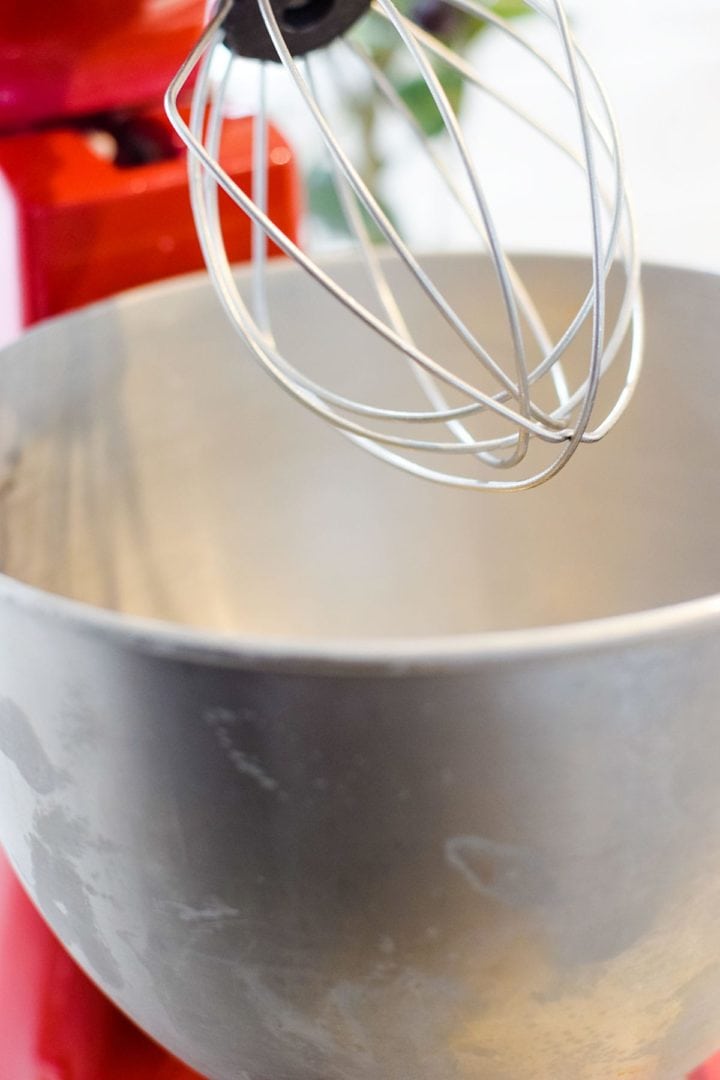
493	421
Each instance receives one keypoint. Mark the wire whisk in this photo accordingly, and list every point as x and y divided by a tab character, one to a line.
506	419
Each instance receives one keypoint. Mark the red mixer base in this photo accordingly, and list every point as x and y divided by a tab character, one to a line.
55	1024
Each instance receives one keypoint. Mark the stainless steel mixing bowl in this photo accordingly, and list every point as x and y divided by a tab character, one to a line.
324	773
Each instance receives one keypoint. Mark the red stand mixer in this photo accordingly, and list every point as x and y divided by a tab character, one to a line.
93	195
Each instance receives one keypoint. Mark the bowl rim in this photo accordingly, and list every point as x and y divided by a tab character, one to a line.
334	655
372	655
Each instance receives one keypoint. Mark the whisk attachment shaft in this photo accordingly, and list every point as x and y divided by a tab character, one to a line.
490	416
306	25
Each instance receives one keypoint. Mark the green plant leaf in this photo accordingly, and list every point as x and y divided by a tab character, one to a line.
324	202
419	100
511	9
377	36
453	84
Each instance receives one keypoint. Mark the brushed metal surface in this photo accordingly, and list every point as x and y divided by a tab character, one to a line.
376	800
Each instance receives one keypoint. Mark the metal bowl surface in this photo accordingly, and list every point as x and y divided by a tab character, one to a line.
325	773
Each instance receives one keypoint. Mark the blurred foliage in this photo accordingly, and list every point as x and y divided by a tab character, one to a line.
456	29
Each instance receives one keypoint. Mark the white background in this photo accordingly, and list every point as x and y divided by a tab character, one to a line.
659	61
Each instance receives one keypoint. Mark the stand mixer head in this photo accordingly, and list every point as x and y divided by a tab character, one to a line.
520	407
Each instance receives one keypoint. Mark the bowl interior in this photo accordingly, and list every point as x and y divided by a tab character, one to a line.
147	466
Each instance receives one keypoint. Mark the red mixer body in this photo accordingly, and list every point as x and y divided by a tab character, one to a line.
72	58
54	1024
83	226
